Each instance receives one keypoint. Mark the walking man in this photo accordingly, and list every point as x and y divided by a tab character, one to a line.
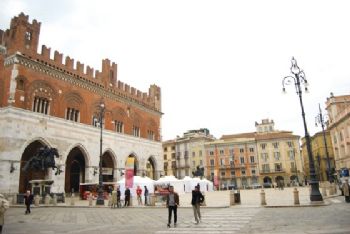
197	199
172	202
146	195
346	191
118	198
127	197
28	200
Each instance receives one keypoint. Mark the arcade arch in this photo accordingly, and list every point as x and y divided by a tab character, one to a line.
25	177
108	165
75	170
136	163
151	168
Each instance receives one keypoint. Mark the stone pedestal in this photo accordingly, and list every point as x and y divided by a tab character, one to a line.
36	200
262	197
47	199
90	200
324	191
296	196
54	200
152	199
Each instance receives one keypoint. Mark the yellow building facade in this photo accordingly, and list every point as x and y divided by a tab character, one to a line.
319	153
169	155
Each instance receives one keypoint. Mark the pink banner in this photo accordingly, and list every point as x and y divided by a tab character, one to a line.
216	180
129	178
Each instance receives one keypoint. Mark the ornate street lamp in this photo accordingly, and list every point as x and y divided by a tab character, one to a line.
100	199
320	119
299	79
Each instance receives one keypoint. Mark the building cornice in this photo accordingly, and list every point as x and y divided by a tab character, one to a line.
62	75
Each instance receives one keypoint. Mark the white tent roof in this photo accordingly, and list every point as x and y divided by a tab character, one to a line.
172	180
138	181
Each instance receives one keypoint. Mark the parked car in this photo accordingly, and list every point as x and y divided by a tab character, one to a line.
232	187
267	185
256	185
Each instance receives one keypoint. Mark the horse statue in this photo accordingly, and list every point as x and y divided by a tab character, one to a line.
43	159
199	172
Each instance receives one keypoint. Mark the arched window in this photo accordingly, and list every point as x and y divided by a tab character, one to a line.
20	84
41	105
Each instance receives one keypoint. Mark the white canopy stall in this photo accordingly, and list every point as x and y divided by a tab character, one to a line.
179	185
138	181
209	186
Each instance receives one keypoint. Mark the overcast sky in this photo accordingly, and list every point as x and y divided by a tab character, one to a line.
220	64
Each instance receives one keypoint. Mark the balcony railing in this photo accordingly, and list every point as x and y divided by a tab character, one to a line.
271	171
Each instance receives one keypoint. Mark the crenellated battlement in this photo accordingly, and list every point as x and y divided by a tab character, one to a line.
24	36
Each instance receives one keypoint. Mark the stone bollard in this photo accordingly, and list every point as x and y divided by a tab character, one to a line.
262	196
47	200
296	196
36	200
90	199
152	200
72	202
54	200
324	191
232	197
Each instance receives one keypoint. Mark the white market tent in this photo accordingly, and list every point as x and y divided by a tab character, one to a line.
138	181
179	185
205	185
209	186
188	184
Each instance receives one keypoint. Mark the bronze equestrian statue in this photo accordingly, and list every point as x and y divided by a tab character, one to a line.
43	159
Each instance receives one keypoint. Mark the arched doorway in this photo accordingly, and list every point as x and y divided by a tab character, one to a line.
31	174
107	167
280	181
75	170
150	168
267	180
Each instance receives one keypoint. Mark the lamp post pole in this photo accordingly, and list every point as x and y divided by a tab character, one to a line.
298	79
320	120
100	199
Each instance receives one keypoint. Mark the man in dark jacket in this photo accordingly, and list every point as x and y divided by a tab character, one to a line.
146	195
28	200
172	202
127	197
197	199
118	198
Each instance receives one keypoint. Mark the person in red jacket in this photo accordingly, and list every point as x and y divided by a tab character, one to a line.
138	193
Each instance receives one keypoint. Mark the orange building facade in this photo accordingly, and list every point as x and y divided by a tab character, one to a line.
57	103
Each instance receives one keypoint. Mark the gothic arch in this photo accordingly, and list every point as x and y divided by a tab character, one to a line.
74	101
29	149
42	89
114	156
84	152
151	167
75	168
136	162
